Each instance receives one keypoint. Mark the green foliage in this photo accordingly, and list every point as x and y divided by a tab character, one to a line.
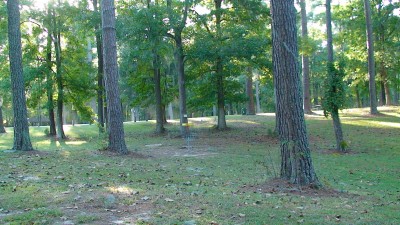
334	96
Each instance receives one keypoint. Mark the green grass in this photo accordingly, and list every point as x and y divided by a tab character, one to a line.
215	180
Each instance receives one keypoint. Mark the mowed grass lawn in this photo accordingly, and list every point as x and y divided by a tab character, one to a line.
211	178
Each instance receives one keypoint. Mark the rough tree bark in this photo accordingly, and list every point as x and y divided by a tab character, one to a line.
371	59
296	164
22	140
337	125
305	61
115	126
100	68
251	110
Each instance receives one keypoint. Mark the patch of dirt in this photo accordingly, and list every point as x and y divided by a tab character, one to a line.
115	154
279	186
191	150
117	215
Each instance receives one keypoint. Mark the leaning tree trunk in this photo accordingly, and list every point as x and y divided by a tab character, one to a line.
115	126
251	110
100	79
331	73
296	164
305	61
22	140
371	59
49	79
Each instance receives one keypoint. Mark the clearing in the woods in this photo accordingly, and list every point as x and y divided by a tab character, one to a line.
211	178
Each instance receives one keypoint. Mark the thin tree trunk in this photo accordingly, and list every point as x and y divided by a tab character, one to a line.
170	111
220	96
305	61
2	129
49	79
219	73
316	93
22	140
337	126
359	103
335	112
179	59
386	88
371	59
296	164
329	44
397	92
100	68
180	66
59	78
115	126
249	91
157	90
382	97
258	105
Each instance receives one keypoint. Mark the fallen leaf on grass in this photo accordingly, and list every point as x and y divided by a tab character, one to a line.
145	198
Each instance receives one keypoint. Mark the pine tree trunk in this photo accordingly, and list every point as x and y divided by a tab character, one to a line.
296	164
100	68
371	59
329	40
22	140
115	126
305	61
251	110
